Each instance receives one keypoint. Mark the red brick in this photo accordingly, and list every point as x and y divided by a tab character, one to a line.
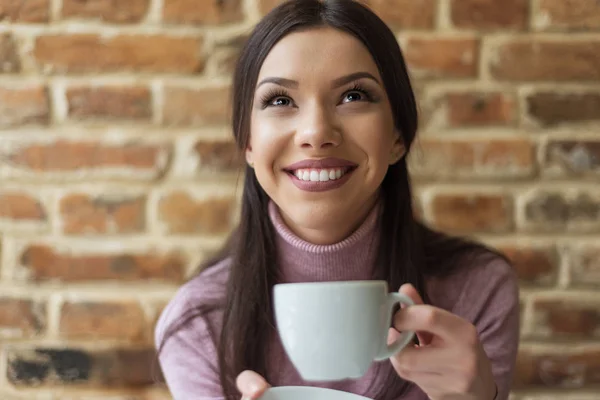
184	106
25	11
572	157
554	108
46	263
547	60
533	265
86	53
106	10
559	369
24	316
567	15
490	14
463	213
443	159
97	370
480	109
203	12
555	211
19	206
584	263
9	56
561	318
103	320
267	5
442	57
218	155
405	14
133	103
182	214
75	156
85	214
24	105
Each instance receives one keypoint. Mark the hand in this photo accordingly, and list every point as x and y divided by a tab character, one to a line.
251	385
449	363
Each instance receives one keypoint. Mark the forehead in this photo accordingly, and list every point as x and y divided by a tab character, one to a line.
318	53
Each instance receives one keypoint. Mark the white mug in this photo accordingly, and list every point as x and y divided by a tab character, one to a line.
335	330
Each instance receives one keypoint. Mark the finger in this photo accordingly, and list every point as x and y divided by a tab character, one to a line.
425	380
409	290
433	320
427	360
441	387
432	384
251	384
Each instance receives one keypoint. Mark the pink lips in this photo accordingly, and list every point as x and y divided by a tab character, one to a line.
331	162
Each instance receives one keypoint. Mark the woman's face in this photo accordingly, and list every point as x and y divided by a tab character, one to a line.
322	133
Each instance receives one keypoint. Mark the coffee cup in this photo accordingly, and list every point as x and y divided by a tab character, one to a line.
335	330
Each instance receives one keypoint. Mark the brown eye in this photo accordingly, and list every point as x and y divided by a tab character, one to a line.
281	102
353	96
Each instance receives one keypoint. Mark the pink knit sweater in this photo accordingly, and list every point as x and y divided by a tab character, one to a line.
486	295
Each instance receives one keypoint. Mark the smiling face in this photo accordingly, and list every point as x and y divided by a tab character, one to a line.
322	133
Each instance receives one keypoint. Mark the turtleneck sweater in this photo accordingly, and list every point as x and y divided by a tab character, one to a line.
485	295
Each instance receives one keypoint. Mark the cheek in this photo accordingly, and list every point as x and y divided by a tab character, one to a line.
375	137
267	144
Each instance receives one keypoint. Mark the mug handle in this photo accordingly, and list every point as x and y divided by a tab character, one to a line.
389	350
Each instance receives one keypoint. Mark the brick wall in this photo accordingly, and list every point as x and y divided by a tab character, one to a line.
118	175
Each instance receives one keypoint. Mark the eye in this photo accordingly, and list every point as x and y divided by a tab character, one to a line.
281	102
356	93
276	98
353	96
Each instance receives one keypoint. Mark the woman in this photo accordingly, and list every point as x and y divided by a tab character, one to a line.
324	112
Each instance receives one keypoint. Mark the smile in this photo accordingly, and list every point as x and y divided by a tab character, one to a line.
320	175
320	180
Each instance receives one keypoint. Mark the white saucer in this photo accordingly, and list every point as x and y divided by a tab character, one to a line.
308	393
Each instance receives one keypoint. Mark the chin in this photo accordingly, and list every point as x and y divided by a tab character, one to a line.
315	215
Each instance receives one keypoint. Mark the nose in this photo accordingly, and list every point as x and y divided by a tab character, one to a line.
317	129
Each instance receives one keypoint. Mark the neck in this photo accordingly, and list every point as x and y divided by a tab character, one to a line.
330	232
352	258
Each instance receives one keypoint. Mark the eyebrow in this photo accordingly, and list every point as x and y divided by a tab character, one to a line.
292	84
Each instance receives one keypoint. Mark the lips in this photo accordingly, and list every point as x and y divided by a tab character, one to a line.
320	175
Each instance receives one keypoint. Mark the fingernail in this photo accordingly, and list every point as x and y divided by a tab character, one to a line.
254	388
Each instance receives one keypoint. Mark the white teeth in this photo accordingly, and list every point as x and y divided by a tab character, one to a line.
319	175
324	175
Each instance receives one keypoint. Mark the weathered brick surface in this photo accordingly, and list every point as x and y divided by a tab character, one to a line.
89	53
490	14
106	10
103	319
86	214
203	12
30	11
567	15
41	262
24	105
118	170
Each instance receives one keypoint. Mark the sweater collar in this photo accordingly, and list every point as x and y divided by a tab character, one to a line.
353	258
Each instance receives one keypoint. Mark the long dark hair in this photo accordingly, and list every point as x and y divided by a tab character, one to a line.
408	251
